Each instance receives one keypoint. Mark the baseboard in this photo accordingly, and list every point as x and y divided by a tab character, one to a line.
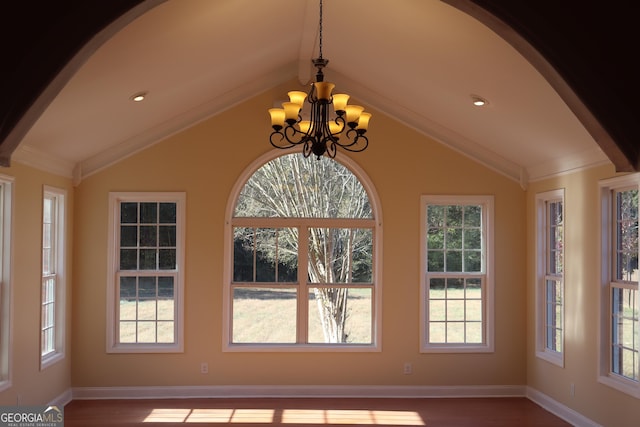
231	391
560	410
62	399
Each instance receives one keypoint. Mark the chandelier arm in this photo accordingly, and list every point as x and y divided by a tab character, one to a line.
278	144
359	143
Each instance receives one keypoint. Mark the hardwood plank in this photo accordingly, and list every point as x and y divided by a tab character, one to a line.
430	412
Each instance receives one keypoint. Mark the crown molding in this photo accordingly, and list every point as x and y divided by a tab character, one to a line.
46	162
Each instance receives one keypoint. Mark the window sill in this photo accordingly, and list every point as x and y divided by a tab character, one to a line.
624	385
302	348
50	359
146	348
552	357
460	348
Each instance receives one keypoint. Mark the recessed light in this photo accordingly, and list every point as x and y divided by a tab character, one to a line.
138	97
478	101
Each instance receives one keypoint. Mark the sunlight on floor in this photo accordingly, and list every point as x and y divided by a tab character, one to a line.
285	416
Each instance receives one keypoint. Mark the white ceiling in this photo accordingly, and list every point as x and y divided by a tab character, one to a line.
417	61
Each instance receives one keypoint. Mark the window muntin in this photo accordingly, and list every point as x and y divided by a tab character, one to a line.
619	362
302	251
457	289
146	285
550	276
52	292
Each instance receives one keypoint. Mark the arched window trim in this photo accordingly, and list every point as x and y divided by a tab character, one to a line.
227	267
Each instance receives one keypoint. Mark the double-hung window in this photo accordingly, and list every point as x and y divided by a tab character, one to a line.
6	201
456	303
146	261
550	276
53	293
619	331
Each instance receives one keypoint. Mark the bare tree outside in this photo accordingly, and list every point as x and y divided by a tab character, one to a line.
295	187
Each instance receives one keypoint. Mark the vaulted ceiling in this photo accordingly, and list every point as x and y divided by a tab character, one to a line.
559	76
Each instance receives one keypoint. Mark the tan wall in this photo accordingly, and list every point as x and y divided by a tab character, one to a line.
31	386
205	161
582	282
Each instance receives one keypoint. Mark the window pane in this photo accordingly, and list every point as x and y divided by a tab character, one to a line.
166	332
265	255
454	238
147	260
352	325
128	288
167	259
168	213
340	255
147	287
472	216
280	188
454	216
625	346
129	236
437	332
627	235
127	332
146	332
167	235
128	259
148	213
147	309
148	236
454	261
264	315
128	212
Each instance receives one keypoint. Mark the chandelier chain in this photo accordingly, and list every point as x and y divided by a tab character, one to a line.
320	30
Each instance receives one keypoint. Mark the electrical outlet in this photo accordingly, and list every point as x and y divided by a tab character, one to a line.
572	389
204	368
407	369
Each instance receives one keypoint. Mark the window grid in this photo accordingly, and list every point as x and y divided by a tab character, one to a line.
554	283
52	290
6	201
146	297
624	286
145	277
49	277
457	300
455	310
255	276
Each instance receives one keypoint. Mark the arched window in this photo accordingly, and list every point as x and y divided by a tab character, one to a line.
302	257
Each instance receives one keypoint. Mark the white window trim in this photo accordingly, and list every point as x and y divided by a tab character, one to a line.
605	376
113	346
61	283
542	352
6	281
376	332
487	201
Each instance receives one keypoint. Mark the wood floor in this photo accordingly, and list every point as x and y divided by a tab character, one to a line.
430	412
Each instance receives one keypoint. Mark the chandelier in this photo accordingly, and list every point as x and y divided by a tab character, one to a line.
327	128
